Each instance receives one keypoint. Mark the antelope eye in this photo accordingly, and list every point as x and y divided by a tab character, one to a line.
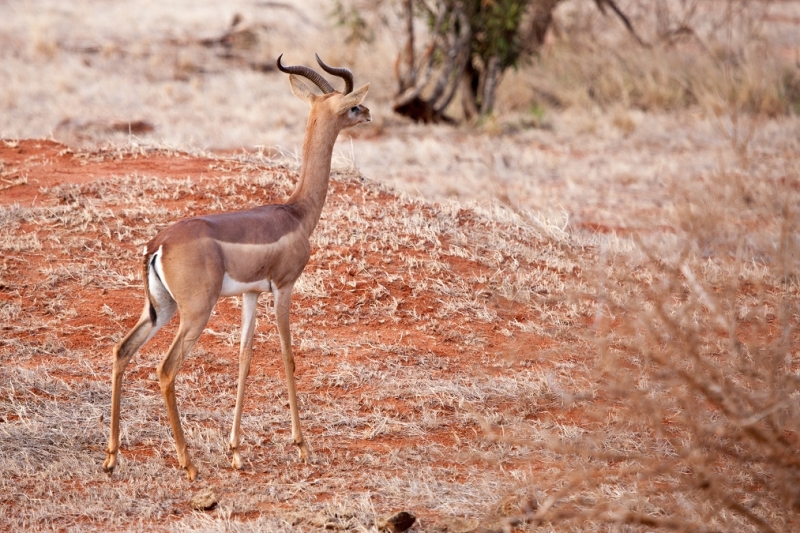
354	109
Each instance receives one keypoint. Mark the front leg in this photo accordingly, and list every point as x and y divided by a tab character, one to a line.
283	298
249	305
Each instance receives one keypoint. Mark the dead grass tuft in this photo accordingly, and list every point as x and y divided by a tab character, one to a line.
401	324
586	320
692	421
732	60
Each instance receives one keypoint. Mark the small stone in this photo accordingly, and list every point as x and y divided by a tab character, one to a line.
205	500
456	524
398	522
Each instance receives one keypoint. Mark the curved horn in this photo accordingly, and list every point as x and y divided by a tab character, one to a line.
342	72
306	72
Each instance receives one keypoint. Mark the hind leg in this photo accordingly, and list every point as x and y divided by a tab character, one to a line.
191	326
123	352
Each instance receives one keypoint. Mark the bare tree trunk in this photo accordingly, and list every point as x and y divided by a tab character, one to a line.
451	60
468	103
541	17
491	77
426	84
406	79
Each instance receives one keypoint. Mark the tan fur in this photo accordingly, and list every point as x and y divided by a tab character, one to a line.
267	246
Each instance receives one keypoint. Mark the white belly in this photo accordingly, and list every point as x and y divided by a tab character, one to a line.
231	287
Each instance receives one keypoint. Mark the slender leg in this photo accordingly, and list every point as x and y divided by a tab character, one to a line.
189	331
282	304
249	301
123	352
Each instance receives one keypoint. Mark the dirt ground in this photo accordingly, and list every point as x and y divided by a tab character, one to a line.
471	333
403	339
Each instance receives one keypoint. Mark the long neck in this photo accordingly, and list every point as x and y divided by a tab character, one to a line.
315	170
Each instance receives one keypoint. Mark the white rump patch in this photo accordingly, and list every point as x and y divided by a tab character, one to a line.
231	287
159	271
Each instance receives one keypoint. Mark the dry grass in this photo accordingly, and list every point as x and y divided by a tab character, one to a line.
692	413
394	324
591	327
718	55
521	370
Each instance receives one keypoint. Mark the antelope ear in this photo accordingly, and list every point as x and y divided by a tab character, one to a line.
354	98
300	89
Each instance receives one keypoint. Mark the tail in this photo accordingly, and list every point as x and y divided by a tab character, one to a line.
149	260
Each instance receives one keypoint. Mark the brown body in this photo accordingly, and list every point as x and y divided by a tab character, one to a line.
191	264
270	246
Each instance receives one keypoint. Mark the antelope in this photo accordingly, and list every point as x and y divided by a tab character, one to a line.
194	262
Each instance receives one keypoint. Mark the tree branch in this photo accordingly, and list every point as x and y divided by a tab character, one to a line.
625	20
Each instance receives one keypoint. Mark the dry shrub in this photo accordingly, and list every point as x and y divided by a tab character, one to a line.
725	57
693	423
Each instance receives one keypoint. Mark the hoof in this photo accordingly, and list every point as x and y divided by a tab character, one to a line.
110	463
191	471
237	460
303	449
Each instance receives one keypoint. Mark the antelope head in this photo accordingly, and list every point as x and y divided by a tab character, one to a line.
345	106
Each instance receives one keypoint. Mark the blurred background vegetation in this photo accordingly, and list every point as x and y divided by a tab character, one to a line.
720	54
654	142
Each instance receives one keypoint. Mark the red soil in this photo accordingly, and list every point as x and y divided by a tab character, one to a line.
29	166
